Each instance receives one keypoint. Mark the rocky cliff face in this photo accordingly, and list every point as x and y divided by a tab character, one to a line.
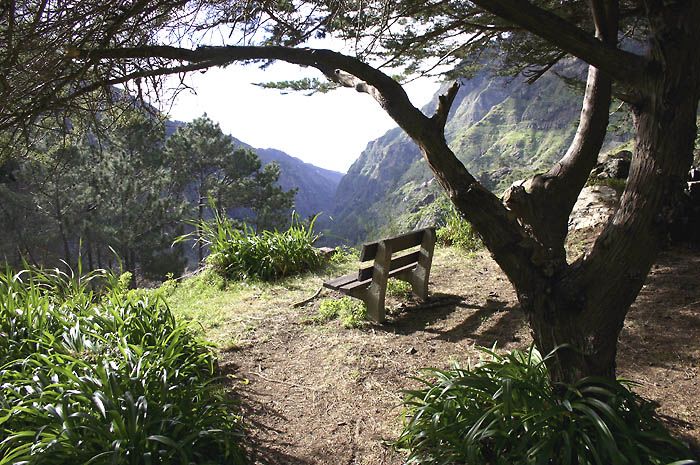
502	129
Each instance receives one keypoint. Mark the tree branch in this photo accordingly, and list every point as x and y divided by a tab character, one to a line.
392	97
444	104
545	201
622	66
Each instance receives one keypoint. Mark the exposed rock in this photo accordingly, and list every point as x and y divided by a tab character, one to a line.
613	166
326	252
594	207
596	204
431	219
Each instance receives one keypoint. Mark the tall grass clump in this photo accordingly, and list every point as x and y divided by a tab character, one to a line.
241	253
106	377
458	232
504	411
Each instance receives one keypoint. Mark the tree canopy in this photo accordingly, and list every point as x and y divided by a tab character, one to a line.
129	191
207	166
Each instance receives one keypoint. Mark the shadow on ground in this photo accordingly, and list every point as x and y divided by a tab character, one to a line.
665	319
495	320
259	416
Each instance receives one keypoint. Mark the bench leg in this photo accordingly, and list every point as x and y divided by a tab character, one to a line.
375	302
373	297
419	283
421	275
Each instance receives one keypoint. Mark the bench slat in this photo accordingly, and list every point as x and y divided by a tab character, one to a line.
357	284
341	281
396	244
398	262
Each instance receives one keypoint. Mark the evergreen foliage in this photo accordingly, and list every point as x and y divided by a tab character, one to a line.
206	164
118	187
94	195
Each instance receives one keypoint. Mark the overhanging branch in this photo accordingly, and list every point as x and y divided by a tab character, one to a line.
624	67
390	94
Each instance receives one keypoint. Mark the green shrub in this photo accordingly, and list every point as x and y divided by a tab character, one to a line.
108	378
398	288
351	312
458	232
343	255
239	253
505	411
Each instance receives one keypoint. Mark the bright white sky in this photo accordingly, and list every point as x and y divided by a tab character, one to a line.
328	130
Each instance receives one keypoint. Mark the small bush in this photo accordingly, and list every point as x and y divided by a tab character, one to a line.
505	411
458	232
343	255
398	288
105	379
351	312
239	253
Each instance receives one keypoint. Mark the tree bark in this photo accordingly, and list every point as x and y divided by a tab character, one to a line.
62	232
545	201
586	306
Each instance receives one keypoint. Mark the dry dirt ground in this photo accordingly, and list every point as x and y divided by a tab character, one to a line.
321	394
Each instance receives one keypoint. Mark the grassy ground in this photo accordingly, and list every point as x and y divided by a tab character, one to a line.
230	313
317	393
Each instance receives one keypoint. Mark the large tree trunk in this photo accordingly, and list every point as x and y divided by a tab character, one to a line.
585	307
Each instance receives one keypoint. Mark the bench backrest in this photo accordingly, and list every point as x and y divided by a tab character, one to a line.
396	244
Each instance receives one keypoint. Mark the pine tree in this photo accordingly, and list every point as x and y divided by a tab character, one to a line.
207	164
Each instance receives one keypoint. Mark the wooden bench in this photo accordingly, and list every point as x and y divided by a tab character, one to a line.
369	283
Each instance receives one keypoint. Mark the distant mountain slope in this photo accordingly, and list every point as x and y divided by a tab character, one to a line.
501	128
316	186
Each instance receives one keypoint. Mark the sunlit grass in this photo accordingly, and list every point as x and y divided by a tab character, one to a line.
229	311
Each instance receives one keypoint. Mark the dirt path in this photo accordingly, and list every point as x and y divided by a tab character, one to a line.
326	395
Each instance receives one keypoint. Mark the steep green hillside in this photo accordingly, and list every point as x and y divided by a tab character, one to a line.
502	129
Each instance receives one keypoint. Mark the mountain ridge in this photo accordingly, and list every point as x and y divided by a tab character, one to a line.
501	128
